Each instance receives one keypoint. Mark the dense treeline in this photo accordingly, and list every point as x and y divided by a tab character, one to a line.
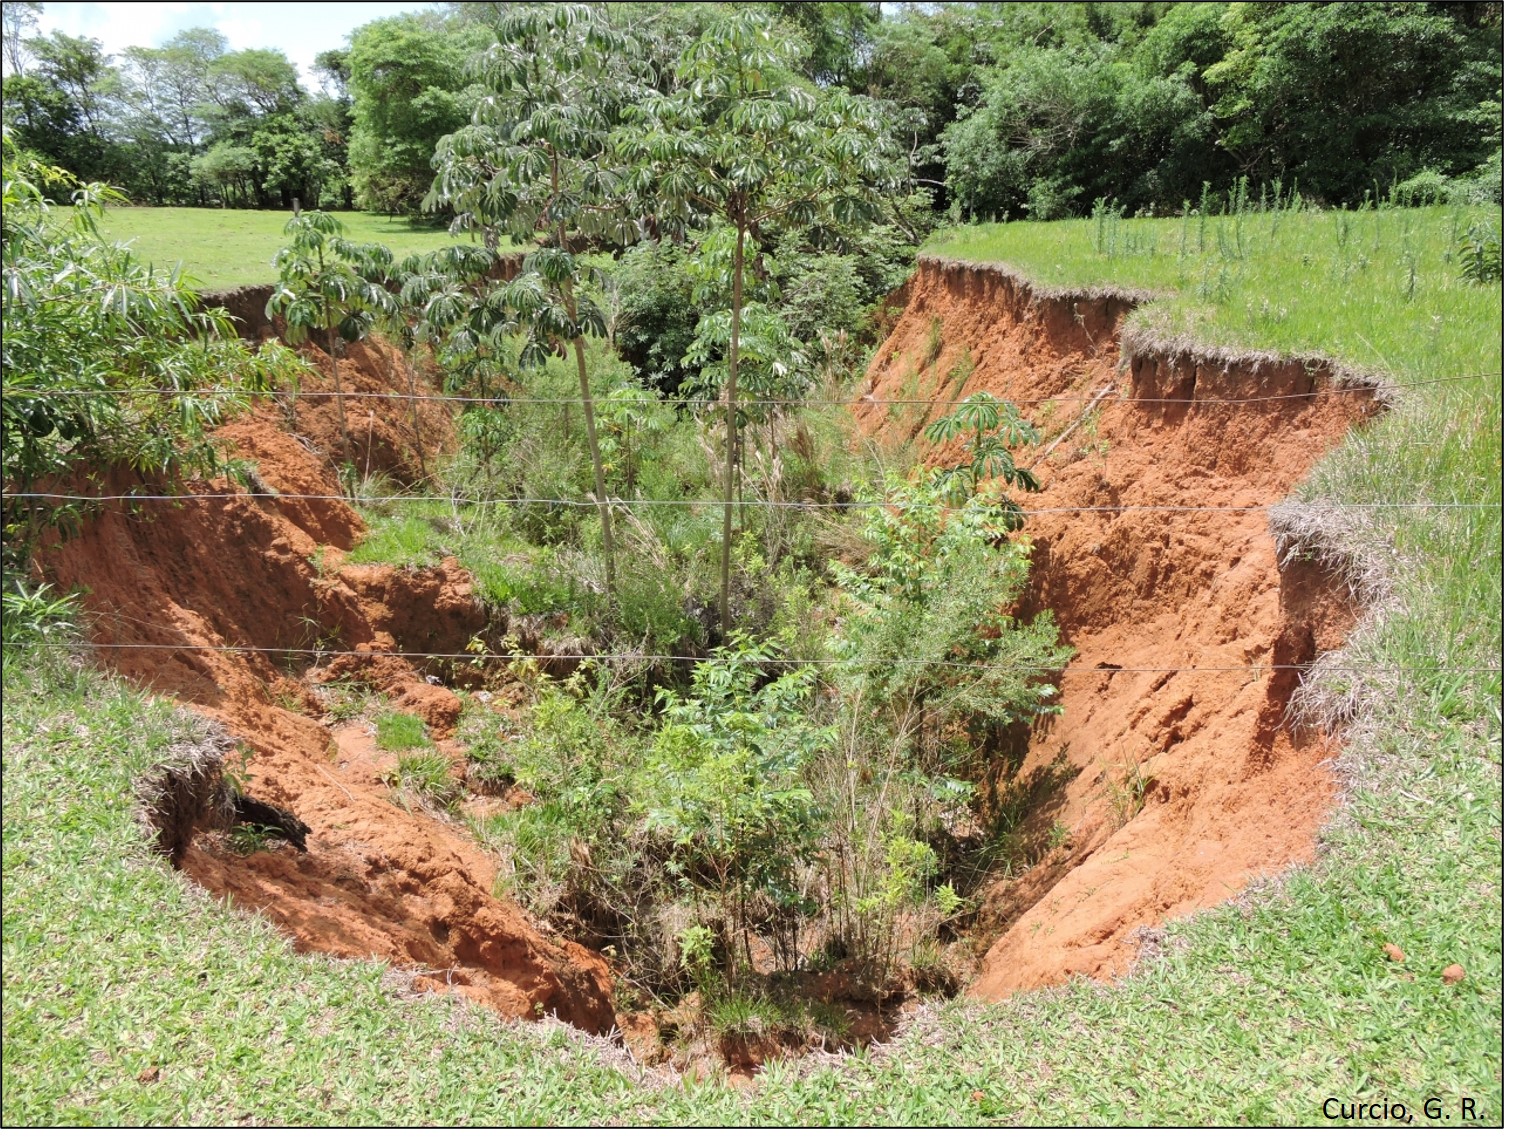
1005	110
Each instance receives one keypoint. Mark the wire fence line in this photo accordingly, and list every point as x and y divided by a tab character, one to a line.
1365	669
589	502
657	400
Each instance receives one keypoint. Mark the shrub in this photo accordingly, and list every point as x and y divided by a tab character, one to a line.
106	361
722	795
936	667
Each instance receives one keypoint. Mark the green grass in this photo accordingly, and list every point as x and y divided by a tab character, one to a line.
420	533
1377	290
1254	1013
224	247
116	966
396	731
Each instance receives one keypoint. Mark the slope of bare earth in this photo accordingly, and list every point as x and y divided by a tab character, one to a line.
1171	773
378	880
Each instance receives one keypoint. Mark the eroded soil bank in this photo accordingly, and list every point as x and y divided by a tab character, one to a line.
1171	781
260	573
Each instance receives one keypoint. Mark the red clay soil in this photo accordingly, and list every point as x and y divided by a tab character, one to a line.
1155	603
378	881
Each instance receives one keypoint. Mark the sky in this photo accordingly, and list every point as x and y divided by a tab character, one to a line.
301	31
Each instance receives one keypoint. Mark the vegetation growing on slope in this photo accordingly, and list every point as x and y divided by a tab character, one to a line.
722	828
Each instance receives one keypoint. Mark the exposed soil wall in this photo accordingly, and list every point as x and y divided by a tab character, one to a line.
1171	775
377	880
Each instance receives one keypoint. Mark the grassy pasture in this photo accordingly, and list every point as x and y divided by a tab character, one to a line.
131	997
223	247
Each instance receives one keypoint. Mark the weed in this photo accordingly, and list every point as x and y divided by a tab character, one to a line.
1481	254
1060	837
932	347
36	614
399	731
1125	789
247	839
425	774
347	701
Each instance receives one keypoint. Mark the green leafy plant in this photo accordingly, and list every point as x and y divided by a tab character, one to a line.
536	166
1481	254
929	663
248	839
743	140
107	362
326	283
723	795
997	431
34	614
1126	789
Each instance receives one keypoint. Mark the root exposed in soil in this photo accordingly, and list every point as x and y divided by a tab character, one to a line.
1168	784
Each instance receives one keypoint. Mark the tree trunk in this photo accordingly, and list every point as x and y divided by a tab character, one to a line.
338	397
338	389
737	271
592	443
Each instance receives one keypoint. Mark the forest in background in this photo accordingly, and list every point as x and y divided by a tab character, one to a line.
1002	111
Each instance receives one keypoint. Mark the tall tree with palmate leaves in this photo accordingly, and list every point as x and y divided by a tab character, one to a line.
535	166
326	282
744	140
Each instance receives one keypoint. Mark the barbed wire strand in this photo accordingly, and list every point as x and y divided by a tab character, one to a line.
1368	669
589	502
653	400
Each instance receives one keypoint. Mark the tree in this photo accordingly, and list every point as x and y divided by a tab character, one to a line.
321	282
927	665
998	432
19	19
408	76
746	140
59	107
106	362
536	166
254	82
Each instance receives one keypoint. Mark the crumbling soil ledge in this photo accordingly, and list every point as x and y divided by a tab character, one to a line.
1172	780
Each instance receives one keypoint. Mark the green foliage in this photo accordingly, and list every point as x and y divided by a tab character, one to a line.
408	75
399	731
107	363
35	614
326	283
724	797
424	774
246	840
1143	112
653	315
785	155
936	667
998	432
1481	254
536	165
